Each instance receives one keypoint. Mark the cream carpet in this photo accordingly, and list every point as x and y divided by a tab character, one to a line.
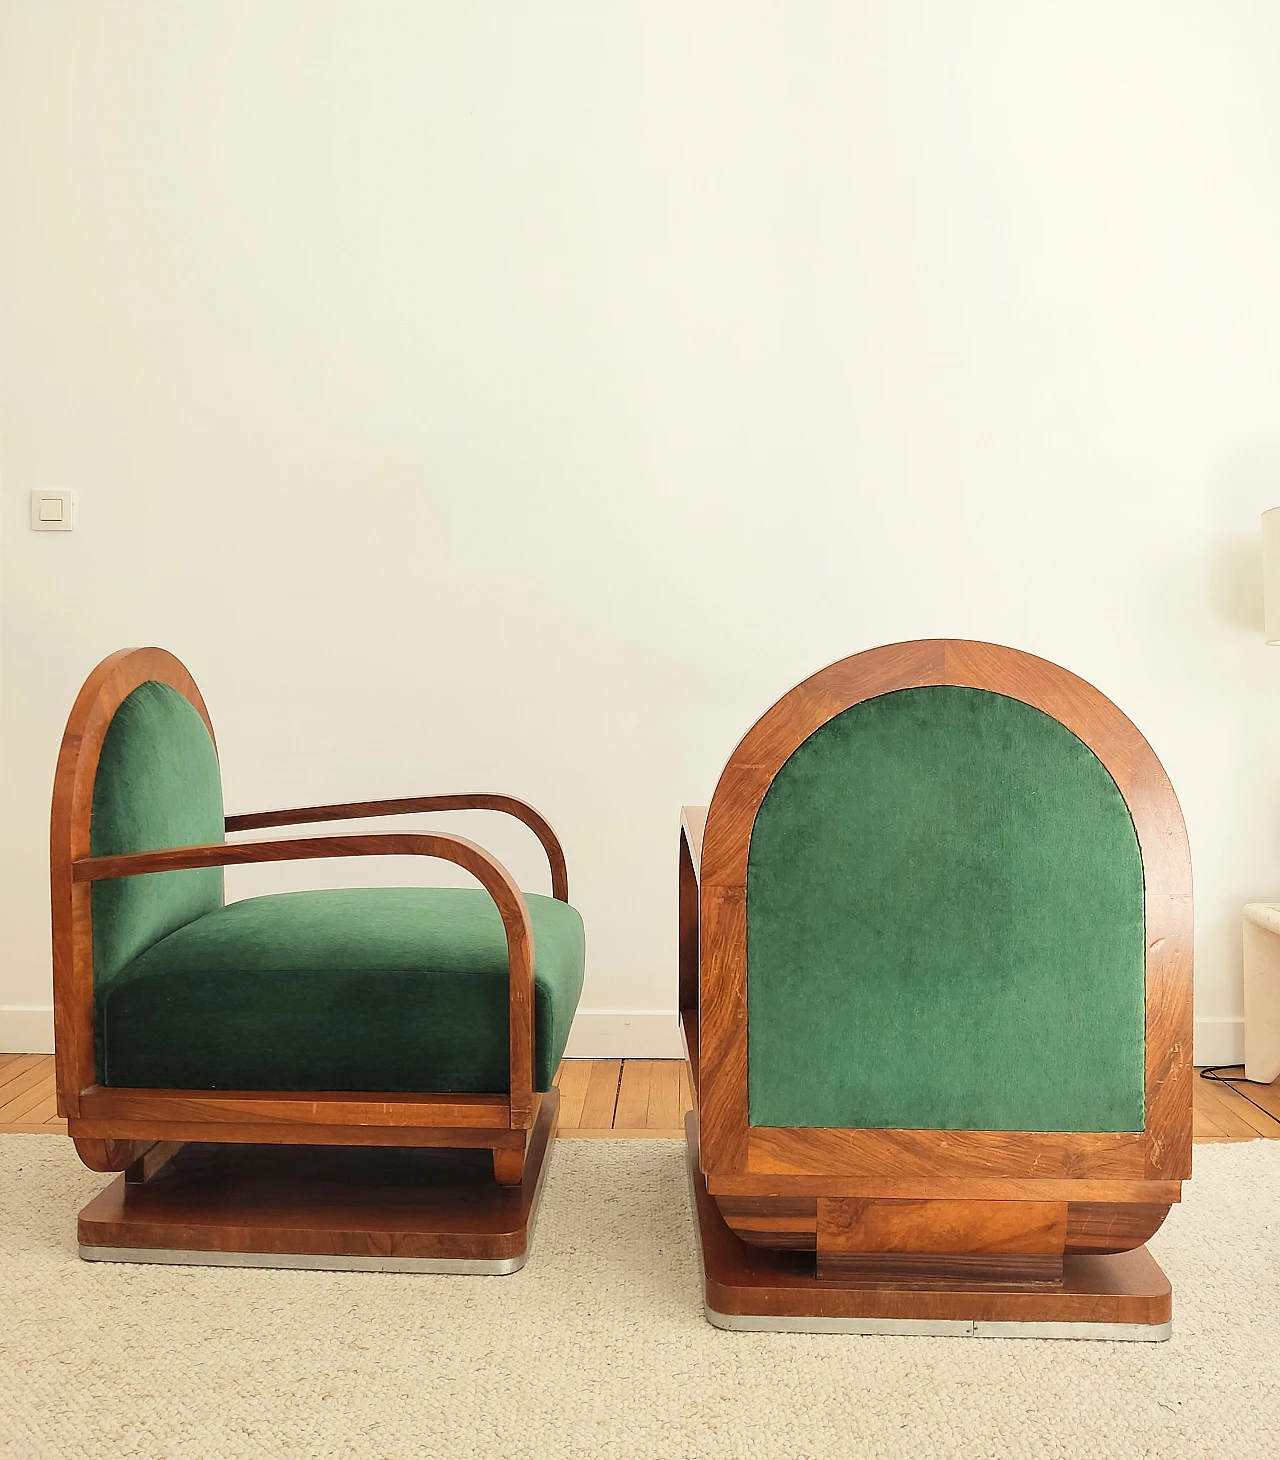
598	1348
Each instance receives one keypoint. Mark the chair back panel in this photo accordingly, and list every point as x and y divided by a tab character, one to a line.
945	925
157	785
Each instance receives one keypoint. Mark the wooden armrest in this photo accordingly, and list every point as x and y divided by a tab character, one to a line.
463	801
486	869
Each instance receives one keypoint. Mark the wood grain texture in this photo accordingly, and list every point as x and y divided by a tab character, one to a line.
406	805
508	1165
110	1153
780	1151
601	1099
109	1124
24	1088
941	1271
371	1202
572	1080
1091	1226
632	1109
730	1148
739	1278
152	1161
1234	1117
122	1134
972	1188
293	1107
851	1224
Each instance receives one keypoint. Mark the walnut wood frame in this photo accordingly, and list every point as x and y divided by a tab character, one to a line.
114	1127
741	1160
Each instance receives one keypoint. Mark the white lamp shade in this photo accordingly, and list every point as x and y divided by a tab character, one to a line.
1271	574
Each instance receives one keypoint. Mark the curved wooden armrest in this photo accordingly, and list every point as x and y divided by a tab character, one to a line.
463	801
486	869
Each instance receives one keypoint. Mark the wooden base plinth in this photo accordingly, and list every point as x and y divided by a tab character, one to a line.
402	1209
1121	1296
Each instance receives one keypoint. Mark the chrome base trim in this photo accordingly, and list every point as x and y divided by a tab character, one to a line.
941	1328
313	1261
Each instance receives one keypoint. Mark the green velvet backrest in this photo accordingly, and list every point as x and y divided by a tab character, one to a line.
157	785
945	925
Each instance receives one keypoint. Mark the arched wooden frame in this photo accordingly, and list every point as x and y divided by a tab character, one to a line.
113	1126
740	1158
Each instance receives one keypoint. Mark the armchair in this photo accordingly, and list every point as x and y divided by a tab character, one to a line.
936	990
426	1023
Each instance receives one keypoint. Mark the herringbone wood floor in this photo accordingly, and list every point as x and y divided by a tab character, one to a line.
634	1098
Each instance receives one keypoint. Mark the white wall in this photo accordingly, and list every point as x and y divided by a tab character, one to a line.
524	395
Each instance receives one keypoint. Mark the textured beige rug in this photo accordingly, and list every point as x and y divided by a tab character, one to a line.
599	1348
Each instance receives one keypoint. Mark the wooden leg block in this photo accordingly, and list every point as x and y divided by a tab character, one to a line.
378	1208
508	1165
1122	1296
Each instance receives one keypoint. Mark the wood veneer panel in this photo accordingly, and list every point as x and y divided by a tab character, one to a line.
777	1151
992	1188
852	1224
246	1132
1169	1033
1112	1226
304	1107
326	1202
741	1279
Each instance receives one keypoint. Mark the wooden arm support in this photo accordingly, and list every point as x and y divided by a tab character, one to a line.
487	870
464	801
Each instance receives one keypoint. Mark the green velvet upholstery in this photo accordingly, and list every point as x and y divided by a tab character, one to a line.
158	785
945	926
397	988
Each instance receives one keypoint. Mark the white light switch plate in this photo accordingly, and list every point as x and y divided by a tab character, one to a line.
53	511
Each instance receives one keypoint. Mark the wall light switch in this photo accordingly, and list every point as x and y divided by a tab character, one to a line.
53	511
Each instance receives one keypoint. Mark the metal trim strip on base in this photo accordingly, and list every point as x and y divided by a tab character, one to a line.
312	1261
940	1328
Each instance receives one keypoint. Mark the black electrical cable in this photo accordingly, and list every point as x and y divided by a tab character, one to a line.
1214	1072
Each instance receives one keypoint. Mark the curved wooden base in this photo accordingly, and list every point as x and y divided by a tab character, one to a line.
1118	1296
398	1208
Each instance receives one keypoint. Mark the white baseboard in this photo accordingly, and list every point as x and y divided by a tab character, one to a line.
1219	1042
26	1029
625	1034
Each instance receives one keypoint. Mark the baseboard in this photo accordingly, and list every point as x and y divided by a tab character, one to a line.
625	1034
1219	1042
26	1029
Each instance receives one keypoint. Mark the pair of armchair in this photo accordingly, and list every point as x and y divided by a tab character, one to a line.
392	1018
934	976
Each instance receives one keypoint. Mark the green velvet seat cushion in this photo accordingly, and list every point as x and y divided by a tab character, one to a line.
945	925
395	989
